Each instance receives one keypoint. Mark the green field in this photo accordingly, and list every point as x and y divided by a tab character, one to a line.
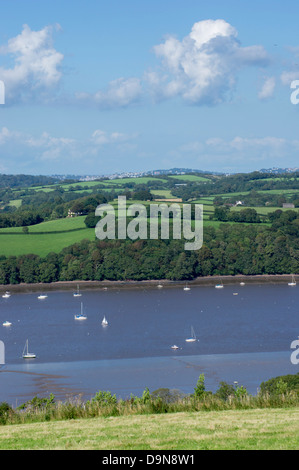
65	232
165	193
58	225
259	429
192	178
15	245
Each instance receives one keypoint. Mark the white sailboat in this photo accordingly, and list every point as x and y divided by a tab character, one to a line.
293	281
174	347
104	321
77	294
219	286
186	287
159	286
192	338
6	295
26	353
81	316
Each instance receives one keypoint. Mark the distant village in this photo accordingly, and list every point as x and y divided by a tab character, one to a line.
172	171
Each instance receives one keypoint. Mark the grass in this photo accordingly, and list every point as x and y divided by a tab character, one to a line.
57	225
262	429
65	232
190	178
166	193
20	244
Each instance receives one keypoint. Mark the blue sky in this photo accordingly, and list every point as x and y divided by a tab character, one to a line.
100	87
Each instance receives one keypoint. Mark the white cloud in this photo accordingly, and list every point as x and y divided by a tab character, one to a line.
35	67
120	93
267	89
202	68
100	137
65	150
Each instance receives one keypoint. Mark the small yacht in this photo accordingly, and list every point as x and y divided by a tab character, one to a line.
81	316
42	296
174	347
104	321
77	294
192	338
219	286
6	295
293	281
186	287
26	353
6	323
159	286
242	283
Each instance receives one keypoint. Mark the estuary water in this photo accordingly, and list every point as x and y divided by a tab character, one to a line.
243	334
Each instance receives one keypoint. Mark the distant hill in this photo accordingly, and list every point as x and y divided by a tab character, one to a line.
14	181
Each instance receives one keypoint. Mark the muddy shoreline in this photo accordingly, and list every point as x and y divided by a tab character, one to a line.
200	281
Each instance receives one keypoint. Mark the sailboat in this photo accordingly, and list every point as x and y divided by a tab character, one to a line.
81	316
77	294
104	321
219	286
293	281
174	347
26	353
192	338
186	287
6	295
159	286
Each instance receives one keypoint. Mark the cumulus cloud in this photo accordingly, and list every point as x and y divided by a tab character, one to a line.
202	68
36	64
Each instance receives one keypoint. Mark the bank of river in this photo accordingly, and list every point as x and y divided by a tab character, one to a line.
199	281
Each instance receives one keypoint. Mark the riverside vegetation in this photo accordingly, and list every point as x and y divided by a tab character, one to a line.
279	392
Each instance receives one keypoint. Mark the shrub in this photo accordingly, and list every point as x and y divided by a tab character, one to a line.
5	412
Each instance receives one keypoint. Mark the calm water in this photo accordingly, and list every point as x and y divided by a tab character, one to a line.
240	337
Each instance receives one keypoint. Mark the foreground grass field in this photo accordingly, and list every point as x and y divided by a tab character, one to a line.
262	429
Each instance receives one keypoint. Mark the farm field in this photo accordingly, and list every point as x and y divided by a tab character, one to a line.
18	243
58	225
190	178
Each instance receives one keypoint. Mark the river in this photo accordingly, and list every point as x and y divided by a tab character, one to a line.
243	334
